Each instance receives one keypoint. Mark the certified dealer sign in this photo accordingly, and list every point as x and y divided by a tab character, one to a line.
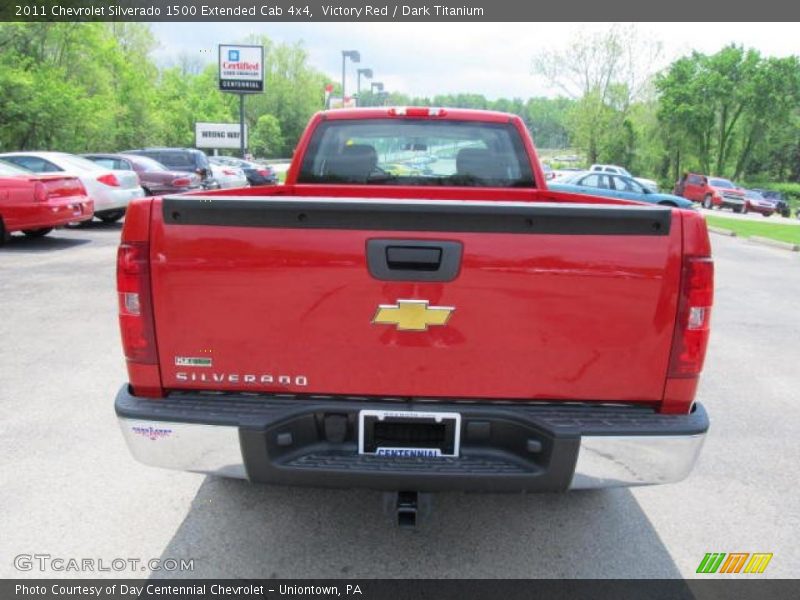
241	69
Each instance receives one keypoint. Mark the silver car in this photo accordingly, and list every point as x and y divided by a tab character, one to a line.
111	191
227	175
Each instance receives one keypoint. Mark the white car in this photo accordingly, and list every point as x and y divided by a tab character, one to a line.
228	176
648	183
110	190
563	174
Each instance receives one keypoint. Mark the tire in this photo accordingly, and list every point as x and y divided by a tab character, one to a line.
111	217
3	233
35	233
707	203
766	214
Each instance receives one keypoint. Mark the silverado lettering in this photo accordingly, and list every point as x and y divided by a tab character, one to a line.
459	326
299	380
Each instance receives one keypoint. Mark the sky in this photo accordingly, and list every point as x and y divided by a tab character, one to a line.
425	59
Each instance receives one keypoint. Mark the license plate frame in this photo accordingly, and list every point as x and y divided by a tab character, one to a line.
449	421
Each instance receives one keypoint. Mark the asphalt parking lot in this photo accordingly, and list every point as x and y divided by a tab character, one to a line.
69	488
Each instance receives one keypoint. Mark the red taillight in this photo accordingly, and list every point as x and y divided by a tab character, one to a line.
40	192
135	307
109	179
694	317
65	187
181	181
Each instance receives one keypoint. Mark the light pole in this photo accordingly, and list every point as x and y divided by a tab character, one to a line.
366	73
372	87
353	55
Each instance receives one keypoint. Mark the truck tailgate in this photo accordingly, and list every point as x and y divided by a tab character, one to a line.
547	301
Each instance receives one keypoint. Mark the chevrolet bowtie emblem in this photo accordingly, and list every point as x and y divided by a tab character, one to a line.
412	315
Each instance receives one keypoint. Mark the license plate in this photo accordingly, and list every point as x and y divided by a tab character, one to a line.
397	433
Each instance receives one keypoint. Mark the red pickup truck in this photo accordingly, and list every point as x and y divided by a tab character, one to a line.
711	192
414	311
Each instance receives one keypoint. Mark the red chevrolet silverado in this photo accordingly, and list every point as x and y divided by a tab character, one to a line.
414	311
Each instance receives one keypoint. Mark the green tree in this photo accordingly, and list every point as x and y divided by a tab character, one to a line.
605	73
266	139
293	90
721	109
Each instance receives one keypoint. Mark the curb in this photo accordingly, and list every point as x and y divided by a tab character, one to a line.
721	231
775	243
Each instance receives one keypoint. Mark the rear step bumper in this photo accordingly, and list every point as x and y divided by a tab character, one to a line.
505	446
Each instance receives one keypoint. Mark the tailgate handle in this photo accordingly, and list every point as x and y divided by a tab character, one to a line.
413	260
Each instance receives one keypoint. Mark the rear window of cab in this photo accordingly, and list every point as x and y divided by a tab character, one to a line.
416	152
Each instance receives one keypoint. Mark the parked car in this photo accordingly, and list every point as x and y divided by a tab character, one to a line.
755	202
256	173
36	203
186	160
615	186
463	330
110	190
155	178
712	192
567	173
617	170
226	175
781	204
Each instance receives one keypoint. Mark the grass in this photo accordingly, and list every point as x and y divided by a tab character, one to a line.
745	229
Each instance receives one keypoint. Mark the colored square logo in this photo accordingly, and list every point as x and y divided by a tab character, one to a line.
233	55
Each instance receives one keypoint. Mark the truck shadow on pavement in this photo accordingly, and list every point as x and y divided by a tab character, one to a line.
235	529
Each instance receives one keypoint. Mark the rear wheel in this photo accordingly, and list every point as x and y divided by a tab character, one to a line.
766	214
34	233
707	203
3	233
111	217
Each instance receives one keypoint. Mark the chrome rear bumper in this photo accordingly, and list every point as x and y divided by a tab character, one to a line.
513	448
609	461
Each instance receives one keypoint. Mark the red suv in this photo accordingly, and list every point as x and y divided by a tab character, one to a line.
712	192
